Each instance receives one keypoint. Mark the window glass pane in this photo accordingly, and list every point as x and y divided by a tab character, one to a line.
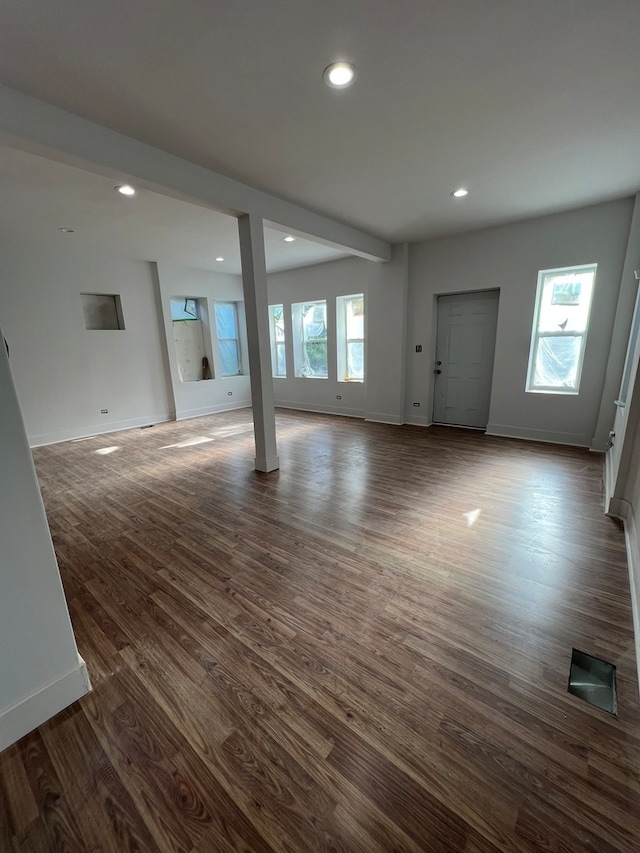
277	335
226	326
565	302
557	360
314	321
316	358
229	358
309	327
355	317
184	308
355	360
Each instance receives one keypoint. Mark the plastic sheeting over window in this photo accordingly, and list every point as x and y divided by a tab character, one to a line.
563	306
227	334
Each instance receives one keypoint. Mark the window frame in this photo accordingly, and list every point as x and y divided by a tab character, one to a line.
537	335
343	340
236	339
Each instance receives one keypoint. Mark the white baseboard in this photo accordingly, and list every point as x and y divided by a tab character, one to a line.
186	414
29	713
419	420
612	506
98	429
320	410
546	436
378	418
268	464
633	558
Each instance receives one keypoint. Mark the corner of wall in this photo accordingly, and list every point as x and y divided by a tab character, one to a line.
30	712
633	557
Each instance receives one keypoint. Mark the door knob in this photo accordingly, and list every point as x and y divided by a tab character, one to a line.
437	371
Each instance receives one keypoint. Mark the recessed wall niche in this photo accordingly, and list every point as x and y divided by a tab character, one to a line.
191	338
102	311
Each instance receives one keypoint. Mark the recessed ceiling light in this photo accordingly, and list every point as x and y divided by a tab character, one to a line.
125	189
219	259
289	239
66	230
460	193
339	75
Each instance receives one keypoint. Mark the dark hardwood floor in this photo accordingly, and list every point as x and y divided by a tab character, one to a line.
366	651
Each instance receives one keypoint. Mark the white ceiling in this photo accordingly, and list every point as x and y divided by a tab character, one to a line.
38	196
533	104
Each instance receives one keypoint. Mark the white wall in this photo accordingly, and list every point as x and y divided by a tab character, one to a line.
509	258
380	396
192	399
65	374
40	669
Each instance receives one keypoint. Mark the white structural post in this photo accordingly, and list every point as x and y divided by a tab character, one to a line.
256	305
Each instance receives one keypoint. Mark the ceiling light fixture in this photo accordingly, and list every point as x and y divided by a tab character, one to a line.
460	193
65	230
289	239
125	189
219	259
339	75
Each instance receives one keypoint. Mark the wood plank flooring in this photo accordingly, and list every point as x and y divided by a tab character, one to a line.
365	651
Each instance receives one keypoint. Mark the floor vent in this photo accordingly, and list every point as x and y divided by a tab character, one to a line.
593	680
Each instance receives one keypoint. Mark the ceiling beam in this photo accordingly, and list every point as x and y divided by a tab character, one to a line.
44	129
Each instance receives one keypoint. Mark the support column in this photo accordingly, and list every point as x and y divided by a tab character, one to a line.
256	306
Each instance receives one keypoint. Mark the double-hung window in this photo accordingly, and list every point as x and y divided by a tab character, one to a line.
560	324
310	339
350	337
228	339
277	334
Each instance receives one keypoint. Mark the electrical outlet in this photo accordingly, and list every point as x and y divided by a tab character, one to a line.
104	411
418	347
416	405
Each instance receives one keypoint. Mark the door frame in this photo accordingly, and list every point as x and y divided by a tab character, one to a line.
434	348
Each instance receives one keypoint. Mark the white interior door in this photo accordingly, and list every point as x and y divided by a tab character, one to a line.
465	346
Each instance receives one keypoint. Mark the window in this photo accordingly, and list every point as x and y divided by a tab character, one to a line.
560	323
350	329
277	334
228	340
184	308
310	339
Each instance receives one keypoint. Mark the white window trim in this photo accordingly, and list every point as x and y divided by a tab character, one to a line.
530	388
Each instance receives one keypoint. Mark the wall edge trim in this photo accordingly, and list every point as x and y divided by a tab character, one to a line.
34	710
543	435
95	429
633	559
